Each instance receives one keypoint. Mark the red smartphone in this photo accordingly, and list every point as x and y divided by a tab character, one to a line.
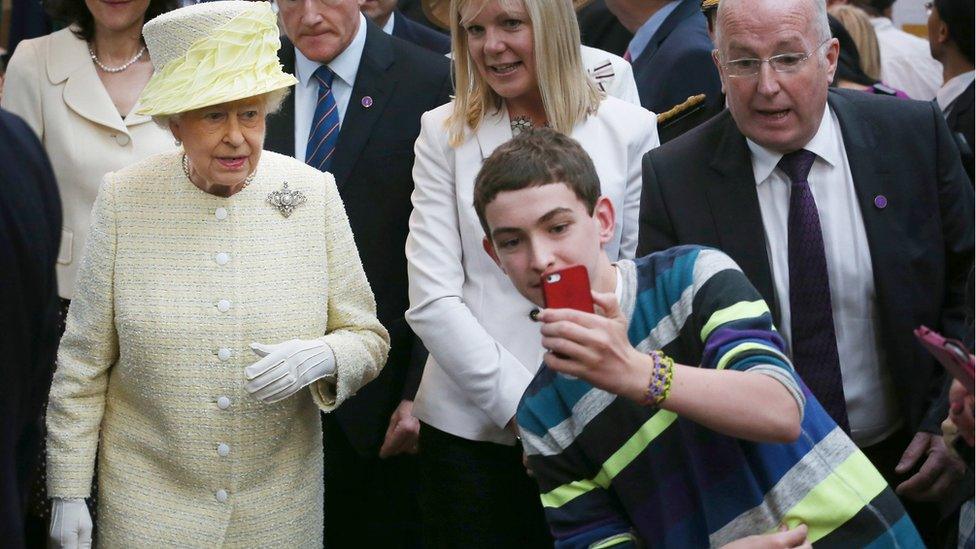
568	288
952	354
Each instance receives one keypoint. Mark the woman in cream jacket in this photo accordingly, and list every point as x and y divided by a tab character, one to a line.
84	114
221	306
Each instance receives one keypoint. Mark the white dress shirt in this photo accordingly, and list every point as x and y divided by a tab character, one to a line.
951	90
906	63
871	405
345	66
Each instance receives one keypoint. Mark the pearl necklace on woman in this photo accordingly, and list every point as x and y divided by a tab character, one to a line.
115	69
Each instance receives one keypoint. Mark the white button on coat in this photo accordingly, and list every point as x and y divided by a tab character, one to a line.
223	450
222	258
223	354
220	213
221	495
122	139
223	305
223	403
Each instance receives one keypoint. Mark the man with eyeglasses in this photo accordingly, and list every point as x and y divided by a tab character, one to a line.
850	213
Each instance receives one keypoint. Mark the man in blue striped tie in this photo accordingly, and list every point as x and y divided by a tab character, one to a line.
356	113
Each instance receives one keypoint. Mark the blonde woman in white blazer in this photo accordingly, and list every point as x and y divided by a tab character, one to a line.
221	306
84	114
517	64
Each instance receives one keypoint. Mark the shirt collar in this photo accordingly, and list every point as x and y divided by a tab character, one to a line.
824	144
646	31
952	89
345	65
390	21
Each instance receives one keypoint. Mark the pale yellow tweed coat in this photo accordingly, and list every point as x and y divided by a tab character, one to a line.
185	456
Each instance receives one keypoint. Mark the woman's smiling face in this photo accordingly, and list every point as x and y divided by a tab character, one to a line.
501	45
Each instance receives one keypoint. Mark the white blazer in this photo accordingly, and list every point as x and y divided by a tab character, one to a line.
484	350
612	73
52	84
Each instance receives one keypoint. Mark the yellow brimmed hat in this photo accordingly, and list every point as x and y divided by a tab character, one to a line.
212	53
439	11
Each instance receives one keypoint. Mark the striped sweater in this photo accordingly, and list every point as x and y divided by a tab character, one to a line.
612	472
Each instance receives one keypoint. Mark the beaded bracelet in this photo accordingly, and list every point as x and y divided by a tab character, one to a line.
662	373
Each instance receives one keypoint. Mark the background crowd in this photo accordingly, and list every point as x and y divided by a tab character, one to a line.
274	316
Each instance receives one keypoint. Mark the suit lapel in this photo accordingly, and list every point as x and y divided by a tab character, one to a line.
871	177
401	29
493	131
68	61
280	136
734	204
372	90
962	104
684	10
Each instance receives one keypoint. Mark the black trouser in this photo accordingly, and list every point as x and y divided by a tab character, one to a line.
477	494
369	502
885	455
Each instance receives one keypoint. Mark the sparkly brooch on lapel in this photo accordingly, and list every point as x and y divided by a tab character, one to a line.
286	200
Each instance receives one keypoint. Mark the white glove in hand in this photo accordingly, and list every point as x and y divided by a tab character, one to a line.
71	524
285	368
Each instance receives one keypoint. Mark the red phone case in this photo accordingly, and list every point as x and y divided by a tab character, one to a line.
568	288
953	355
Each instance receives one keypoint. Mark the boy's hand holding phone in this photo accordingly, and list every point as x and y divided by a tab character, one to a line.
594	347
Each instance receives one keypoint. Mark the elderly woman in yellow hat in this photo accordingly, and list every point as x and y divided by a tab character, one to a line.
221	305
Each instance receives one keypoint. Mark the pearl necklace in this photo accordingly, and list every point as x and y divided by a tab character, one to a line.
186	172
115	69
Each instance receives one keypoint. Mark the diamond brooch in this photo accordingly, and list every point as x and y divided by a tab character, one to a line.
286	200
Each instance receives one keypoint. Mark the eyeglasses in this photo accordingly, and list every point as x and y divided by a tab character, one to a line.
783	63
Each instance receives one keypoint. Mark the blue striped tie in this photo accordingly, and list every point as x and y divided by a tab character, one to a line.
324	134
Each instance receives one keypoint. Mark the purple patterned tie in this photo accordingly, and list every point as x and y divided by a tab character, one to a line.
814	342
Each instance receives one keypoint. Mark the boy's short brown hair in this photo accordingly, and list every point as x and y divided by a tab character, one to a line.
536	157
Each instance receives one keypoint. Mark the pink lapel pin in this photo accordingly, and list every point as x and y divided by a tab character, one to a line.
367	101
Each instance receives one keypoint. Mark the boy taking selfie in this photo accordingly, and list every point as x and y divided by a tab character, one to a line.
672	416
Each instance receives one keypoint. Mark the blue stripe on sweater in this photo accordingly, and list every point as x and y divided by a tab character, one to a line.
675	270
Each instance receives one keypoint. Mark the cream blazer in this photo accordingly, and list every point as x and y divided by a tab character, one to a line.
484	350
174	286
52	84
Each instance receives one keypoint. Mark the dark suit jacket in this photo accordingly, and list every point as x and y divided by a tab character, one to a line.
601	29
415	33
960	120
677	62
30	233
372	166
700	189
414	10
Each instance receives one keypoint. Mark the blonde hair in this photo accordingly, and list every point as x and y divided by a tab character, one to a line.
568	94
858	25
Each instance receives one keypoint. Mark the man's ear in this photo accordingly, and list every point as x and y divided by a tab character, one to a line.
603	214
943	32
490	250
831	56
718	66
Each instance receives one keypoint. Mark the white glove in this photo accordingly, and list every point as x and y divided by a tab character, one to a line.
71	524
285	368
